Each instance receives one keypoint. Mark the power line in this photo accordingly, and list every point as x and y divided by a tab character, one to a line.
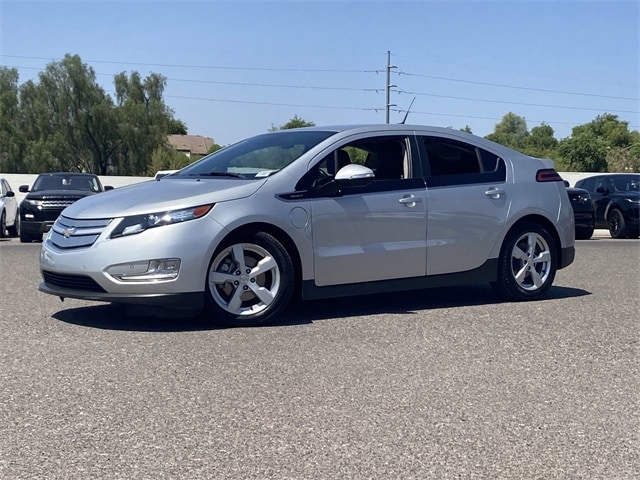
241	84
374	109
511	102
493	69
205	67
473	82
321	70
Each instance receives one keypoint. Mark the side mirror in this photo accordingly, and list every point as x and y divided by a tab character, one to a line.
354	175
566	184
24	188
602	190
10	194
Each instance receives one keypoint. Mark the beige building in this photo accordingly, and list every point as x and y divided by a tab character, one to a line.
190	144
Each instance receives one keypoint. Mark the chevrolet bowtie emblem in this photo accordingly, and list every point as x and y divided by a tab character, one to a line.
67	232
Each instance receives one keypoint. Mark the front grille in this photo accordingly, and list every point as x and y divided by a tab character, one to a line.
62	204
71	233
72	282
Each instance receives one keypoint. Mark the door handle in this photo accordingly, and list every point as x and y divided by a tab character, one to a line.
410	200
494	193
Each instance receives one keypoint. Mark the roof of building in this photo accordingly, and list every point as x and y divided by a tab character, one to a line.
196	144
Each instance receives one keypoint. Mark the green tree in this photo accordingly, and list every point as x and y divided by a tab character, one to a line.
295	122
585	152
607	127
511	131
466	128
541	142
67	120
166	158
144	120
214	148
11	139
624	160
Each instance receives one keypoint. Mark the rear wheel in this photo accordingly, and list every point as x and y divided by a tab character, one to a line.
584	233
617	226
14	230
250	281
527	264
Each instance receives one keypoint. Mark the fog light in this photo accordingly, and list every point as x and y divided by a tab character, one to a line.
157	271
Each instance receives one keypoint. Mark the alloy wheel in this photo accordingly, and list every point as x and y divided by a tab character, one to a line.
531	261
244	279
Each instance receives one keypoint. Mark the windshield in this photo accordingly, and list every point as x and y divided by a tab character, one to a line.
256	157
627	183
66	182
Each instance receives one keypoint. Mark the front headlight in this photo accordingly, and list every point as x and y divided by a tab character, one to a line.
140	223
584	198
632	200
35	203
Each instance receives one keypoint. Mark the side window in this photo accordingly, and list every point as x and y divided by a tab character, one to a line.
451	162
388	156
588	185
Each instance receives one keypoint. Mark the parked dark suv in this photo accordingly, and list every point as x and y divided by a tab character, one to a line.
616	198
583	212
50	194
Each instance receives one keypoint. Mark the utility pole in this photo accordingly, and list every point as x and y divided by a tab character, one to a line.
389	86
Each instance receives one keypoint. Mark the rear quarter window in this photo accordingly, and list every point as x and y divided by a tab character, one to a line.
452	162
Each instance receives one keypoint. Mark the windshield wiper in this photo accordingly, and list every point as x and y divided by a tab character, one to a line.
216	174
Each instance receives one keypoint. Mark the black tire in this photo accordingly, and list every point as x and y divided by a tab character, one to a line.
584	233
14	230
26	237
266	291
527	264
617	226
3	225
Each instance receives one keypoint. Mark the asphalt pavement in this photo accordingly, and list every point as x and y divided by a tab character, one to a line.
448	383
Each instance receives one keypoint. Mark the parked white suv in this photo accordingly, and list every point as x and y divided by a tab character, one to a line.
318	212
9	217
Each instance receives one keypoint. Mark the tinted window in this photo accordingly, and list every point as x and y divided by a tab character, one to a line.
451	162
587	184
389	157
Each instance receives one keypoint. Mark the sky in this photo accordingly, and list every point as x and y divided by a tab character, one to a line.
238	68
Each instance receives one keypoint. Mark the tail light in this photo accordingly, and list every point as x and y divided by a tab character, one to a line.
548	175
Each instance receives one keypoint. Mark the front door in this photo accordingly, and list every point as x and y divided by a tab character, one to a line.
376	232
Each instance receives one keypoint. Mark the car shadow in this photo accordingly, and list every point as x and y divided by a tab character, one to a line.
150	319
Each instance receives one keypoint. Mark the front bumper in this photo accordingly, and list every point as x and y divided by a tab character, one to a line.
35	228
98	272
189	300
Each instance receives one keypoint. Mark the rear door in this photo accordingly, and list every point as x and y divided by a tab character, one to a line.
468	200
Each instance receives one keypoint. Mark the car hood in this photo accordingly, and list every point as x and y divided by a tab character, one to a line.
159	196
57	194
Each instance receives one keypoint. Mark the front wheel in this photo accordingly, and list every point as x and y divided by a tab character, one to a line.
250	281
527	264
14	230
617	227
3	225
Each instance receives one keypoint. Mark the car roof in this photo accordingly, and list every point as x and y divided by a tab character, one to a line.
398	127
66	174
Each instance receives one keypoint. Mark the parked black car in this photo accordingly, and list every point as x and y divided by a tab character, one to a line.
616	199
583	212
50	194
